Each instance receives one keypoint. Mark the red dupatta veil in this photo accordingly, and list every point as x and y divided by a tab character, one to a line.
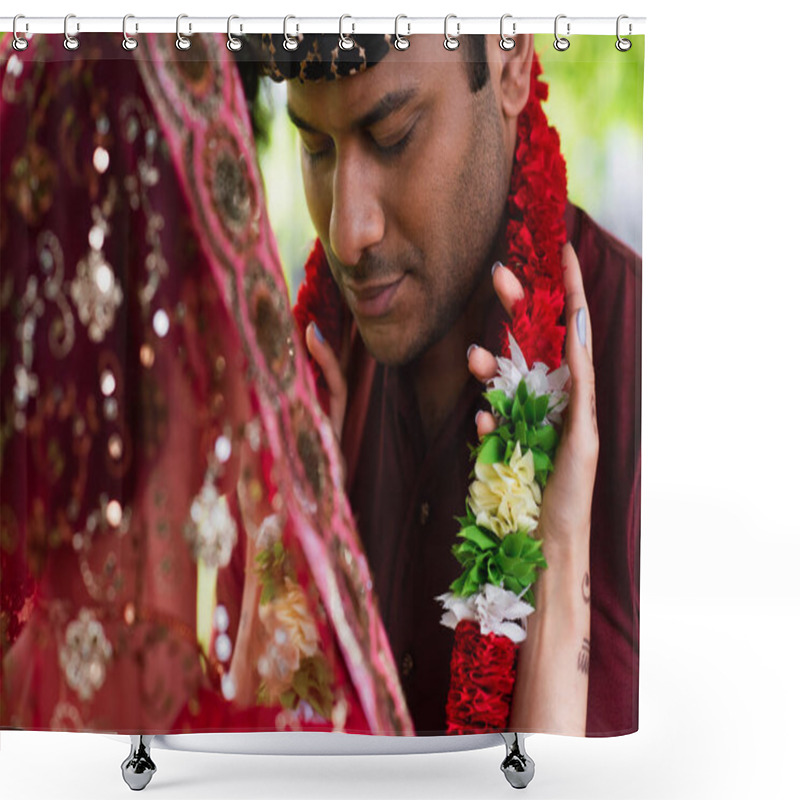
157	403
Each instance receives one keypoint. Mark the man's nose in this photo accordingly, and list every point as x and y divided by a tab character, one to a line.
357	220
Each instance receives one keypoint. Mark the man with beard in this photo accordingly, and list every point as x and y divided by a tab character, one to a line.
412	163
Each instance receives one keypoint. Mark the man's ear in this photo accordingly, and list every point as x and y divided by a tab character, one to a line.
515	75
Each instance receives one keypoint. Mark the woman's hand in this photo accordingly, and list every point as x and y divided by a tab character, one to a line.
551	687
333	373
567	502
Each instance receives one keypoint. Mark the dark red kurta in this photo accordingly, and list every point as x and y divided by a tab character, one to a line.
405	495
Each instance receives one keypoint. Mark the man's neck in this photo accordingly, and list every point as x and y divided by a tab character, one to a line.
440	374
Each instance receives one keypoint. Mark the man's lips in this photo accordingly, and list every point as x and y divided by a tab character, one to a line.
375	300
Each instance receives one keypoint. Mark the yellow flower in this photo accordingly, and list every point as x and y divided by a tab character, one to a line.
505	498
279	661
288	612
291	636
291	611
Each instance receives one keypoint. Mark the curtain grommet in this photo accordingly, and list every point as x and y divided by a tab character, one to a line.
182	42
560	43
128	42
507	42
345	42
289	42
234	43
17	43
71	43
401	42
451	42
623	45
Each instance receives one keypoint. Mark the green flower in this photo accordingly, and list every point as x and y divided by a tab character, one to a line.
513	563
522	420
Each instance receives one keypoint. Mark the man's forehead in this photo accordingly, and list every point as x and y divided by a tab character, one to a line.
359	101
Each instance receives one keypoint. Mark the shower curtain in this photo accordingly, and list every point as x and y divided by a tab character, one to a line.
246	482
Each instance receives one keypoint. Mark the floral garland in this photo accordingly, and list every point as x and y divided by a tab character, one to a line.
488	603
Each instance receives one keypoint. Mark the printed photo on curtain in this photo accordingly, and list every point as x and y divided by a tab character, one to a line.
321	385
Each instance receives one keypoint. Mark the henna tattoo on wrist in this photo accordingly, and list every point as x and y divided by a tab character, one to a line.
583	658
586	588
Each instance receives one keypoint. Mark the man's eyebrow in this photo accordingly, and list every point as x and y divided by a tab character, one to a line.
387	105
299	122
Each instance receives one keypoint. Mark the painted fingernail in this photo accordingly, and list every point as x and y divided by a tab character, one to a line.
495	266
470	349
477	416
581	323
318	332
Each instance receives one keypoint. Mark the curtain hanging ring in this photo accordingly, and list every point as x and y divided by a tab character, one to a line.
623	45
128	42
400	42
561	44
506	42
451	42
70	42
234	43
182	42
18	43
345	42
289	42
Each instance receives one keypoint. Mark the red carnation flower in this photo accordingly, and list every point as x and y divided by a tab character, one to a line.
482	672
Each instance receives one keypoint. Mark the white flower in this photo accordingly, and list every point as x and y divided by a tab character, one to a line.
494	608
457	608
538	380
505	498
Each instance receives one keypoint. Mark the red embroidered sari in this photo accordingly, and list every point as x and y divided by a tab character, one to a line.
157	405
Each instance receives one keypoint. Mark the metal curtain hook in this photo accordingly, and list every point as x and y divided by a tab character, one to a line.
289	42
181	42
234	43
70	42
19	44
128	42
400	42
623	45
561	44
451	42
506	42
345	42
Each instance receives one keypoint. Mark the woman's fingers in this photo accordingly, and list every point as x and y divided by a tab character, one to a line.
507	286
574	296
323	354
582	412
485	422
482	364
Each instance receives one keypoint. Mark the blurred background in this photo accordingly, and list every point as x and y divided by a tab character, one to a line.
595	104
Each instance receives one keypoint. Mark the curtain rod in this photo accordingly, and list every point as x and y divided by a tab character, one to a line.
406	26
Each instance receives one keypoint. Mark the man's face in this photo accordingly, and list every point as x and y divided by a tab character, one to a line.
405	176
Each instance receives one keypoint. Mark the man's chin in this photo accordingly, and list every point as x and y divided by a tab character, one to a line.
386	345
389	355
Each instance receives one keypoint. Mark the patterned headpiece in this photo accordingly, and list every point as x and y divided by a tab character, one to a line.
318	56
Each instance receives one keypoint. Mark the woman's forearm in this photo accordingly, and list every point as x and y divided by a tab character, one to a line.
550	693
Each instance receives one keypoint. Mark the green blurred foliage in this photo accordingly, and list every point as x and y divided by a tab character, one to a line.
595	103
